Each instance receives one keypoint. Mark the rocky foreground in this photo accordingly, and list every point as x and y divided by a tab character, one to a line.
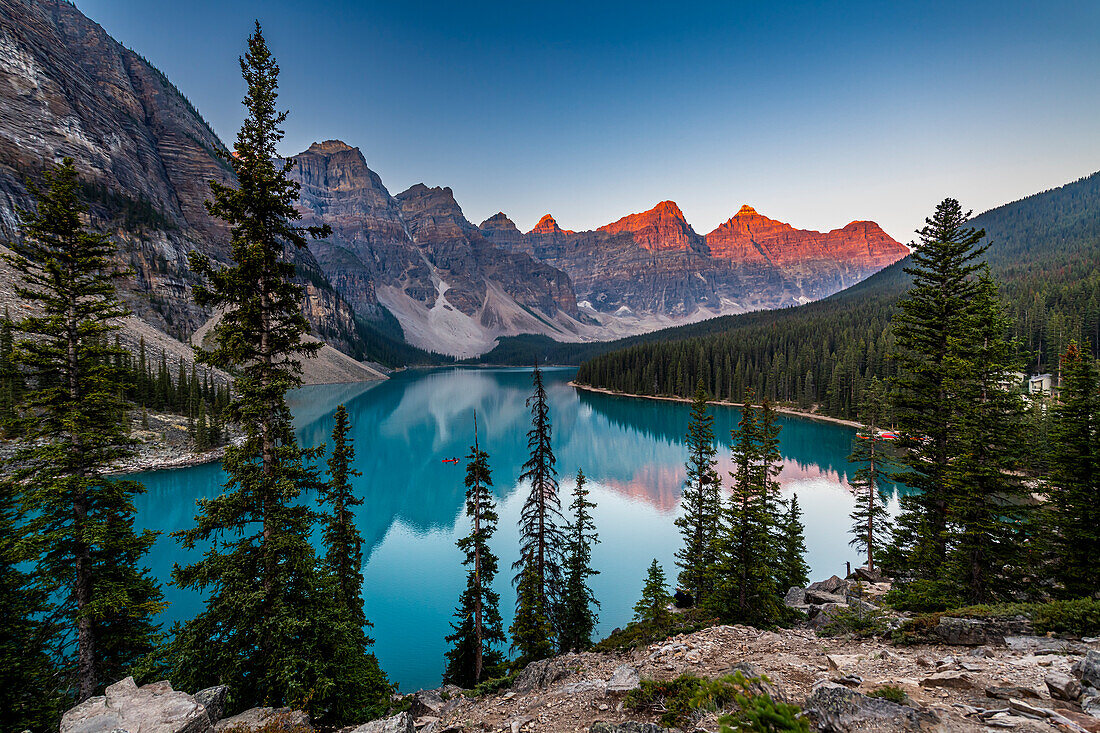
1024	683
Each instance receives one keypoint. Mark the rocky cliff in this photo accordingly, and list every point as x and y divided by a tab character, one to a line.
652	268
145	155
417	255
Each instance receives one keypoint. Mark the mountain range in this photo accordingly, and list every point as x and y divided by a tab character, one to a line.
398	269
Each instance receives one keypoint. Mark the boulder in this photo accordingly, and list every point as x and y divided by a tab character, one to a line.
820	597
541	674
267	719
1091	705
624	679
426	702
829	585
953	678
841	662
628	727
152	708
826	613
1014	691
838	709
1087	669
867	575
213	699
966	632
795	597
400	723
1019	707
1063	687
1086	722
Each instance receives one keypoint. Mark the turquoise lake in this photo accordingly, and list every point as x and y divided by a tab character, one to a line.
631	450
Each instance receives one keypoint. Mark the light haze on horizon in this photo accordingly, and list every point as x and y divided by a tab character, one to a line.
816	114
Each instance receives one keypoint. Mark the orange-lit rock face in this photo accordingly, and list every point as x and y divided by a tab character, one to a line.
661	228
750	237
547	225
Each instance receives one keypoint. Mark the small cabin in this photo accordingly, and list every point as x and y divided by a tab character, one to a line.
1040	384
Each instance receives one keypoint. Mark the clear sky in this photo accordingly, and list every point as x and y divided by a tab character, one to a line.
815	113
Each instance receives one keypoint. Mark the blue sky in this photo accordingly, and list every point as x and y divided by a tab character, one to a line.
815	113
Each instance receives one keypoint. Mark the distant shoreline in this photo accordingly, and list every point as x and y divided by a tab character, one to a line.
724	403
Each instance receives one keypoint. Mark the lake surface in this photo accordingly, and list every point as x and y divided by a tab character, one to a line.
631	450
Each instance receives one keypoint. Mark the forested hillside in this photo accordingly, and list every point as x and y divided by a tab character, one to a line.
1045	253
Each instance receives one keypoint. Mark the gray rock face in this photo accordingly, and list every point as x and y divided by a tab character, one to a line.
833	584
967	632
826	613
1087	669
838	709
1063	687
283	719
624	679
820	597
795	598
541	674
213	699
152	708
400	723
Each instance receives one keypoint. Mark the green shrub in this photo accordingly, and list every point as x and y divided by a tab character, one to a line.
1080	617
863	624
891	693
643	633
686	698
496	684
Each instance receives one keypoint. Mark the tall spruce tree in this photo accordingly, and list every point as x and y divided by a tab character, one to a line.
653	607
268	629
77	429
931	322
870	520
29	694
531	631
1075	476
343	545
478	628
540	525
578	607
746	590
989	528
702	503
792	570
11	382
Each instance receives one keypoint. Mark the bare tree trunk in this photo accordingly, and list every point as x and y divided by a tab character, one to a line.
82	590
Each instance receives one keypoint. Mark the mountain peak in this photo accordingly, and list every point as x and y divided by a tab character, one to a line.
547	225
499	222
328	147
663	227
747	210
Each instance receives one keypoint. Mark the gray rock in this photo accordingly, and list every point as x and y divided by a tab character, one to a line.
829	585
838	709
1087	669
796	597
254	719
400	723
820	597
868	576
624	679
213	699
540	675
152	708
1014	691
1019	707
1063	687
1042	645
628	727
426	702
952	678
826	613
966	632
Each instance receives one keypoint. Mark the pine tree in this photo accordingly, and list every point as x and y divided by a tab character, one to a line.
90	555
1075	475
702	503
478	629
29	695
792	570
359	686
343	545
540	525
989	513
653	607
931	322
11	383
530	629
268	629
579	618
870	520
746	590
